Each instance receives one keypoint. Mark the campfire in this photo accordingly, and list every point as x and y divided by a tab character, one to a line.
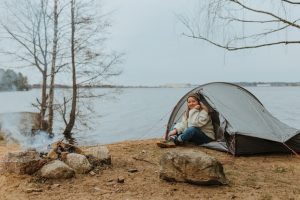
61	161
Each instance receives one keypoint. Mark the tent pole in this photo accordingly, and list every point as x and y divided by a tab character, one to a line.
293	151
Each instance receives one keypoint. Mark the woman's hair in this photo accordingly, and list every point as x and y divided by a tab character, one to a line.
195	96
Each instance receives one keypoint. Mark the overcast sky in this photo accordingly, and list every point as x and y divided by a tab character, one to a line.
157	53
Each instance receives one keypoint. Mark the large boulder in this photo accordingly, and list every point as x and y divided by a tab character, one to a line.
191	166
27	162
78	162
98	155
56	169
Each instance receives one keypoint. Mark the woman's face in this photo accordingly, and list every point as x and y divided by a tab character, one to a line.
192	102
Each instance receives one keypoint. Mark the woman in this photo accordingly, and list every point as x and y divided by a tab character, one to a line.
195	126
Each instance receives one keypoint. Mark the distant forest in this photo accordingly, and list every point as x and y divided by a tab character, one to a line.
12	81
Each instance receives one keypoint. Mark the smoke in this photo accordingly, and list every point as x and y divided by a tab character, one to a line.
14	133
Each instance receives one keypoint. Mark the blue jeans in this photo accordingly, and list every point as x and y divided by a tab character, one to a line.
194	135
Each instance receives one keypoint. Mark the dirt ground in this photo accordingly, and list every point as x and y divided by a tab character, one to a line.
254	177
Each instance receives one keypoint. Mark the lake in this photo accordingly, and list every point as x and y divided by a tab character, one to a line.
142	113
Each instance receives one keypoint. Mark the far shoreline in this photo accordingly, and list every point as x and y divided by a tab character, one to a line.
169	85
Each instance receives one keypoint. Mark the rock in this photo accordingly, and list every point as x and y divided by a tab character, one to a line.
27	162
79	163
34	190
92	173
98	155
55	185
56	170
191	166
121	179
132	170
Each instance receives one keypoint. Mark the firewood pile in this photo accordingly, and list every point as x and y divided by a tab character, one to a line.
59	150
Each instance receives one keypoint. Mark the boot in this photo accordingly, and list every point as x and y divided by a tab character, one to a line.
166	144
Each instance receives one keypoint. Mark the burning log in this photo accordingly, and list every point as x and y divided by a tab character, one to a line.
59	150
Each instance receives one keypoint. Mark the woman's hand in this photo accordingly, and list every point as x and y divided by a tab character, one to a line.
198	107
173	132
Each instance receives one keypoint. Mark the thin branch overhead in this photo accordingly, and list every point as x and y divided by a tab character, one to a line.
266	13
232	48
291	2
244	24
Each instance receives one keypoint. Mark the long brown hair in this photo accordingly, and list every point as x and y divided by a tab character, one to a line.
195	96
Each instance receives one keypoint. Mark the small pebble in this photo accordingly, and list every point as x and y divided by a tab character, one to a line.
133	170
92	173
34	190
121	180
56	185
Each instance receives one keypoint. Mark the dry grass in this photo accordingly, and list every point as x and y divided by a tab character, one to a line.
255	177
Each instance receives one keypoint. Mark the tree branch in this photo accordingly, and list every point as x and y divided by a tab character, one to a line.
232	48
291	2
33	53
266	13
260	34
249	21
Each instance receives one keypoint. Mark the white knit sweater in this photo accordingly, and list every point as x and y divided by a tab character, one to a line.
197	118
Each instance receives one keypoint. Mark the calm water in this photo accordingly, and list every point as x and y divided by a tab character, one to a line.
139	113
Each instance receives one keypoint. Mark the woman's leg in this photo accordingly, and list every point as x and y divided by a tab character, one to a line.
194	135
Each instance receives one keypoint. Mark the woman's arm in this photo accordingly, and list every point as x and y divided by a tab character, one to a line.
181	125
198	118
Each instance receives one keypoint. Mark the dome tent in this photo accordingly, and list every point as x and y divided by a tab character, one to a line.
241	122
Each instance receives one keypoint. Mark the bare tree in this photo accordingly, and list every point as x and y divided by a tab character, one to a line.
235	24
26	26
32	28
90	64
76	31
53	67
71	122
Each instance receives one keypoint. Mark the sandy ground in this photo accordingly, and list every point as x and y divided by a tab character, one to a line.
255	177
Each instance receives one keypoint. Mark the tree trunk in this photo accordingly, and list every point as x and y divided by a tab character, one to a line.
53	68
70	125
44	101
